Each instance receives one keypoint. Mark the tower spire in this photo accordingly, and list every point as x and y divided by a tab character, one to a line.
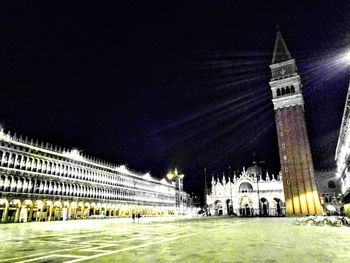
300	190
280	52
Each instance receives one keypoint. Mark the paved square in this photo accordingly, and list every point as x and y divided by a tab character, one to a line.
198	240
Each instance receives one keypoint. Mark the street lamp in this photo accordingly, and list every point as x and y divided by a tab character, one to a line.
257	184
205	192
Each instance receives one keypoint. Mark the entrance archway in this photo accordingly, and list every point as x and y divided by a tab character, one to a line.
218	208
264	206
279	205
246	206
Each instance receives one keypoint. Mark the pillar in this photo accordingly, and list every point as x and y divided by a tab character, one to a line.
50	213
18	210
5	214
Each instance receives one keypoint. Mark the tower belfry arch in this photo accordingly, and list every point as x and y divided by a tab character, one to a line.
300	190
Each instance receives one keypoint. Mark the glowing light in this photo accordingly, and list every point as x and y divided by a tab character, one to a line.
346	57
170	176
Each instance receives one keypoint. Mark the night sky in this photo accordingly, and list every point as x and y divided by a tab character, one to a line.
163	85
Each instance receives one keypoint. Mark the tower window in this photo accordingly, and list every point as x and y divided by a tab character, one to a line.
292	89
283	91
278	92
331	184
287	90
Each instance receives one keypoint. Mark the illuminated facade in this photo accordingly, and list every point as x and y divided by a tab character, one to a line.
252	192
329	187
301	193
342	155
39	182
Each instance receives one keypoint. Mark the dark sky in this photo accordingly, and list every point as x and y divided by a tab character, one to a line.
160	85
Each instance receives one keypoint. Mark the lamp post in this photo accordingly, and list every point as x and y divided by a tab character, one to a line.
229	174
257	184
205	192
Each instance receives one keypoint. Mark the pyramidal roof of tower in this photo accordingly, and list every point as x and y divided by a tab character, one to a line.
280	52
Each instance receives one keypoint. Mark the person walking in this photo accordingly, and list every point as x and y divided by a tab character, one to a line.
138	217
133	217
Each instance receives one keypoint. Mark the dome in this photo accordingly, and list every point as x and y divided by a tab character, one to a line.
255	170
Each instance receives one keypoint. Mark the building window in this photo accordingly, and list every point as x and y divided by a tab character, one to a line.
331	184
283	91
287	90
278	92
292	89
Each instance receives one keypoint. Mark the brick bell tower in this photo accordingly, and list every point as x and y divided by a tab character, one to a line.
300	190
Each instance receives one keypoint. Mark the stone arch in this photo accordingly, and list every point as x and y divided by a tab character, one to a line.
12	160
3	181
92	209
246	206
287	90
279	206
264	207
56	210
80	210
292	89
245	187
14	210
218	207
6	159
331	184
18	161
278	92
73	210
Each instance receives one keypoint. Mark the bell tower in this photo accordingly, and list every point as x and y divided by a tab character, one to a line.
300	190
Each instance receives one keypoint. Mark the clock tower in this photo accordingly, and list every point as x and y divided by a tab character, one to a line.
298	174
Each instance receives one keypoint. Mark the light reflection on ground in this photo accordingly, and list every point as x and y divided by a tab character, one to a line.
200	240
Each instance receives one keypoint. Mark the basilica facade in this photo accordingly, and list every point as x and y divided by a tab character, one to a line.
252	192
41	182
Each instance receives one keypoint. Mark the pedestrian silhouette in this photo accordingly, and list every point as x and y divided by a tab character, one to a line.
133	217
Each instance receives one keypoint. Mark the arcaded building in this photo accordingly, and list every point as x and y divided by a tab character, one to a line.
252	192
342	155
41	182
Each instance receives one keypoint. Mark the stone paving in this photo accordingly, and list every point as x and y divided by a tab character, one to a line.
191	240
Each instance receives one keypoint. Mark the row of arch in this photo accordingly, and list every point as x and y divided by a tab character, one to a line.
285	90
273	207
50	167
331	199
25	185
27	210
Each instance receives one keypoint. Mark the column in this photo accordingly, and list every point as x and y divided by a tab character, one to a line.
5	214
